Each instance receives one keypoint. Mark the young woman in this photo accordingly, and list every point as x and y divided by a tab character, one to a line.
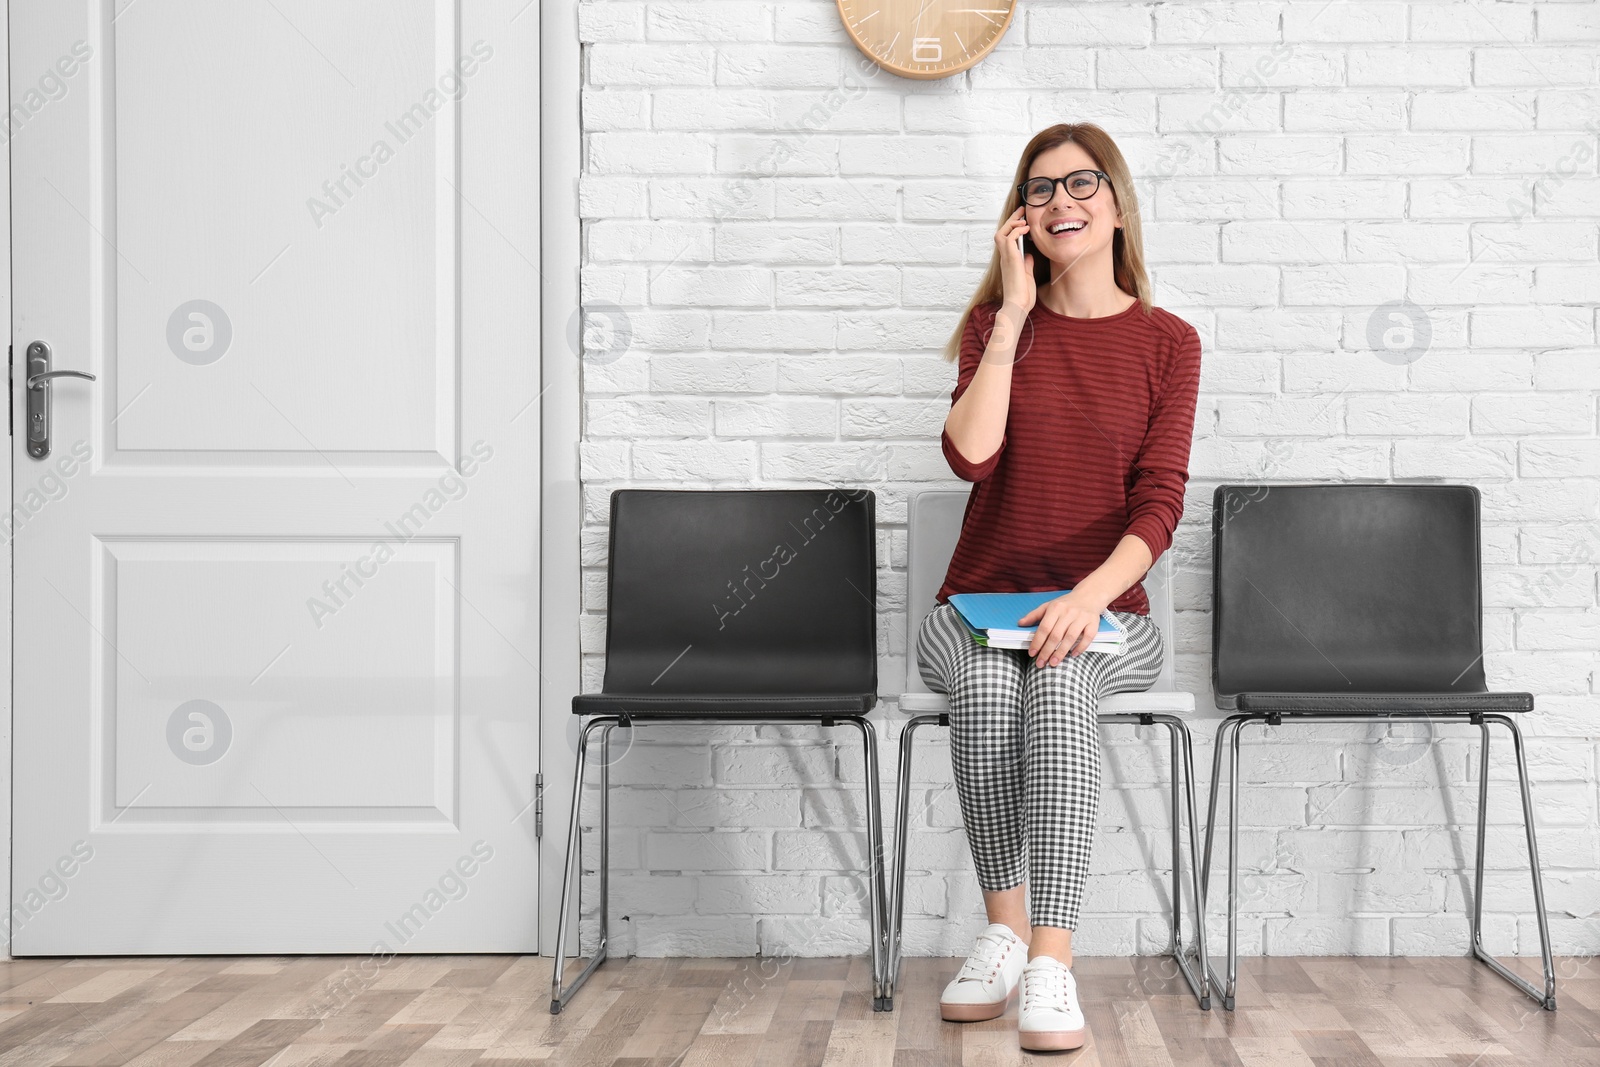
1072	414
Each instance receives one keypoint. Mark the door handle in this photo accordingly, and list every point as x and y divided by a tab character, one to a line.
39	377
36	381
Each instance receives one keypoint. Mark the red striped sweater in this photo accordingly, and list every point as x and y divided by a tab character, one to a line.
1096	446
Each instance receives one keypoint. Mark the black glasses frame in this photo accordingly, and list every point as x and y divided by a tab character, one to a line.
1022	190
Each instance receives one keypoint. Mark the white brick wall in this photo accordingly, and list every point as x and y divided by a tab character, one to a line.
787	234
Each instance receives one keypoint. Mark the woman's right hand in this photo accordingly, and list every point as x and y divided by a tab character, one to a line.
1016	270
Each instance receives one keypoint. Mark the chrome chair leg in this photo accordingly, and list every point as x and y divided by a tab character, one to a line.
1177	880
1183	771
876	860
1211	822
1182	785
1233	869
1227	734
902	816
1546	998
559	996
876	874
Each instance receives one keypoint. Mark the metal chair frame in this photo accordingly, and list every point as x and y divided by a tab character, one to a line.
559	997
1228	735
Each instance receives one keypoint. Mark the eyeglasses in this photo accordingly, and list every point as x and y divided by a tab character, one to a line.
1037	192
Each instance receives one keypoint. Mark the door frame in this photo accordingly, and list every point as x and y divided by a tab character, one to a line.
561	491
561	504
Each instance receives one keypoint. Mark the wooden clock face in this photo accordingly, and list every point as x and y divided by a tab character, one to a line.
926	38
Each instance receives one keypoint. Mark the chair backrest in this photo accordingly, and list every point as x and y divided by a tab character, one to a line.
935	526
1349	588
742	591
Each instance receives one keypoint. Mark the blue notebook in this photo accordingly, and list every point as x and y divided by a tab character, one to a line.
991	619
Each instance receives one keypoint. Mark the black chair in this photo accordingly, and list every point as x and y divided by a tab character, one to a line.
735	607
1355	603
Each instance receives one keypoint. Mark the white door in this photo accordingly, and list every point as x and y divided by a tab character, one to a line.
276	582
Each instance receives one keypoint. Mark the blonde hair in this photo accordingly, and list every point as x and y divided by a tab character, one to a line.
1127	244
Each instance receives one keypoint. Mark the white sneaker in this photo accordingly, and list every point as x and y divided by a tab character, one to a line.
1050	1017
985	983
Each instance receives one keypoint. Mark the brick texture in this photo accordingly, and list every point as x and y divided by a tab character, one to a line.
1384	221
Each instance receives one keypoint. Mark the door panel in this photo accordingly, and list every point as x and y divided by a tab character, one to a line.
354	722
276	636
223	200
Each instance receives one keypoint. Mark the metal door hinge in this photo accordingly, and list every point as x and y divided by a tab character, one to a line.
538	806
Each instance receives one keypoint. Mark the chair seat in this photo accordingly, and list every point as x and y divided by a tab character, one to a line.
1115	704
1123	703
925	703
1374	703
719	705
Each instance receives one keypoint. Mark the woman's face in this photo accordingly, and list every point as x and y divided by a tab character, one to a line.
1098	213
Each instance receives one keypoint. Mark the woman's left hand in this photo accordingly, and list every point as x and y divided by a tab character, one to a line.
1067	626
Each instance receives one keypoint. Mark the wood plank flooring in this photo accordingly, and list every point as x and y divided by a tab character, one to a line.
451	1011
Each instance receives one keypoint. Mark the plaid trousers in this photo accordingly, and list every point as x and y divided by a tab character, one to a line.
1025	748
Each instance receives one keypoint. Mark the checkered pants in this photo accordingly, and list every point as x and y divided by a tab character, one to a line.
1025	746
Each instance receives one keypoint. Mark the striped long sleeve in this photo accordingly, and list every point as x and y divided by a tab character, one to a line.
1096	446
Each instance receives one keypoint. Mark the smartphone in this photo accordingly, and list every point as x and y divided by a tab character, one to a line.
1041	265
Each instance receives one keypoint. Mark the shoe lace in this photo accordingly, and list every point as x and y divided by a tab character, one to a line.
984	963
1046	987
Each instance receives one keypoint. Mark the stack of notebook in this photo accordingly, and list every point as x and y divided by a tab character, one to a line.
991	619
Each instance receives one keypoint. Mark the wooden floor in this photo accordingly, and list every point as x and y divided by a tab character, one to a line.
458	1010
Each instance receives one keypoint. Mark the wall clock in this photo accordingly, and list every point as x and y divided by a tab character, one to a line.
926	38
